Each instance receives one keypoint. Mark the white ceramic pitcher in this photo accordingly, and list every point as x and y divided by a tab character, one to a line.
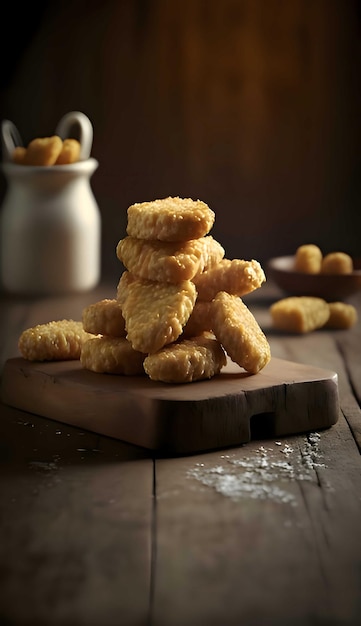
50	221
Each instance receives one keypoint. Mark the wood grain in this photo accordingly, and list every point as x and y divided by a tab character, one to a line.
284	398
225	101
278	555
97	531
68	499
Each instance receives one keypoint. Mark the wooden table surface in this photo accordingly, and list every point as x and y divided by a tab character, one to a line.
98	532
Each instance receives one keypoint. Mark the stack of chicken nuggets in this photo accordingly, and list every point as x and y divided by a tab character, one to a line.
178	309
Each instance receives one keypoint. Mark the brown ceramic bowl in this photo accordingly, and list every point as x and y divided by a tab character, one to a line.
330	287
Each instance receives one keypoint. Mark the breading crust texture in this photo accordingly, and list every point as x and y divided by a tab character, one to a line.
169	262
239	333
104	318
170	219
59	340
111	355
299	314
237	277
186	361
155	313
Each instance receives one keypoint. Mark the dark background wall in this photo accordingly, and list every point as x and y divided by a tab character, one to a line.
250	105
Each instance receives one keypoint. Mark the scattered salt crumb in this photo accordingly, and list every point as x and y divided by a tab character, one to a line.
287	450
43	465
259	476
217	470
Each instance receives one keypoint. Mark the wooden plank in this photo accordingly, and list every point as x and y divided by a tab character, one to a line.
267	533
76	514
348	343
339	350
176	419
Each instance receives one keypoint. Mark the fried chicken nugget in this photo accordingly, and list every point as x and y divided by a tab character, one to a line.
337	263
169	262
155	313
239	333
18	155
43	151
69	153
170	219
342	315
213	254
111	355
104	318
300	314
308	259
236	277
126	279
186	361
54	341
200	320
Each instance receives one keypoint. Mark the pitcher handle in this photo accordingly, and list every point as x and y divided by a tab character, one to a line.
10	139
85	127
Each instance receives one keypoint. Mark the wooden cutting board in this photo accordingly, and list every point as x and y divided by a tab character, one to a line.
233	408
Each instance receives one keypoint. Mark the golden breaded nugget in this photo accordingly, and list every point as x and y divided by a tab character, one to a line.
200	319
104	318
342	315
299	314
43	151
111	355
337	263
19	155
236	277
126	279
155	313
169	262
239	333
170	219
187	360
69	153
54	341
308	259
213	254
